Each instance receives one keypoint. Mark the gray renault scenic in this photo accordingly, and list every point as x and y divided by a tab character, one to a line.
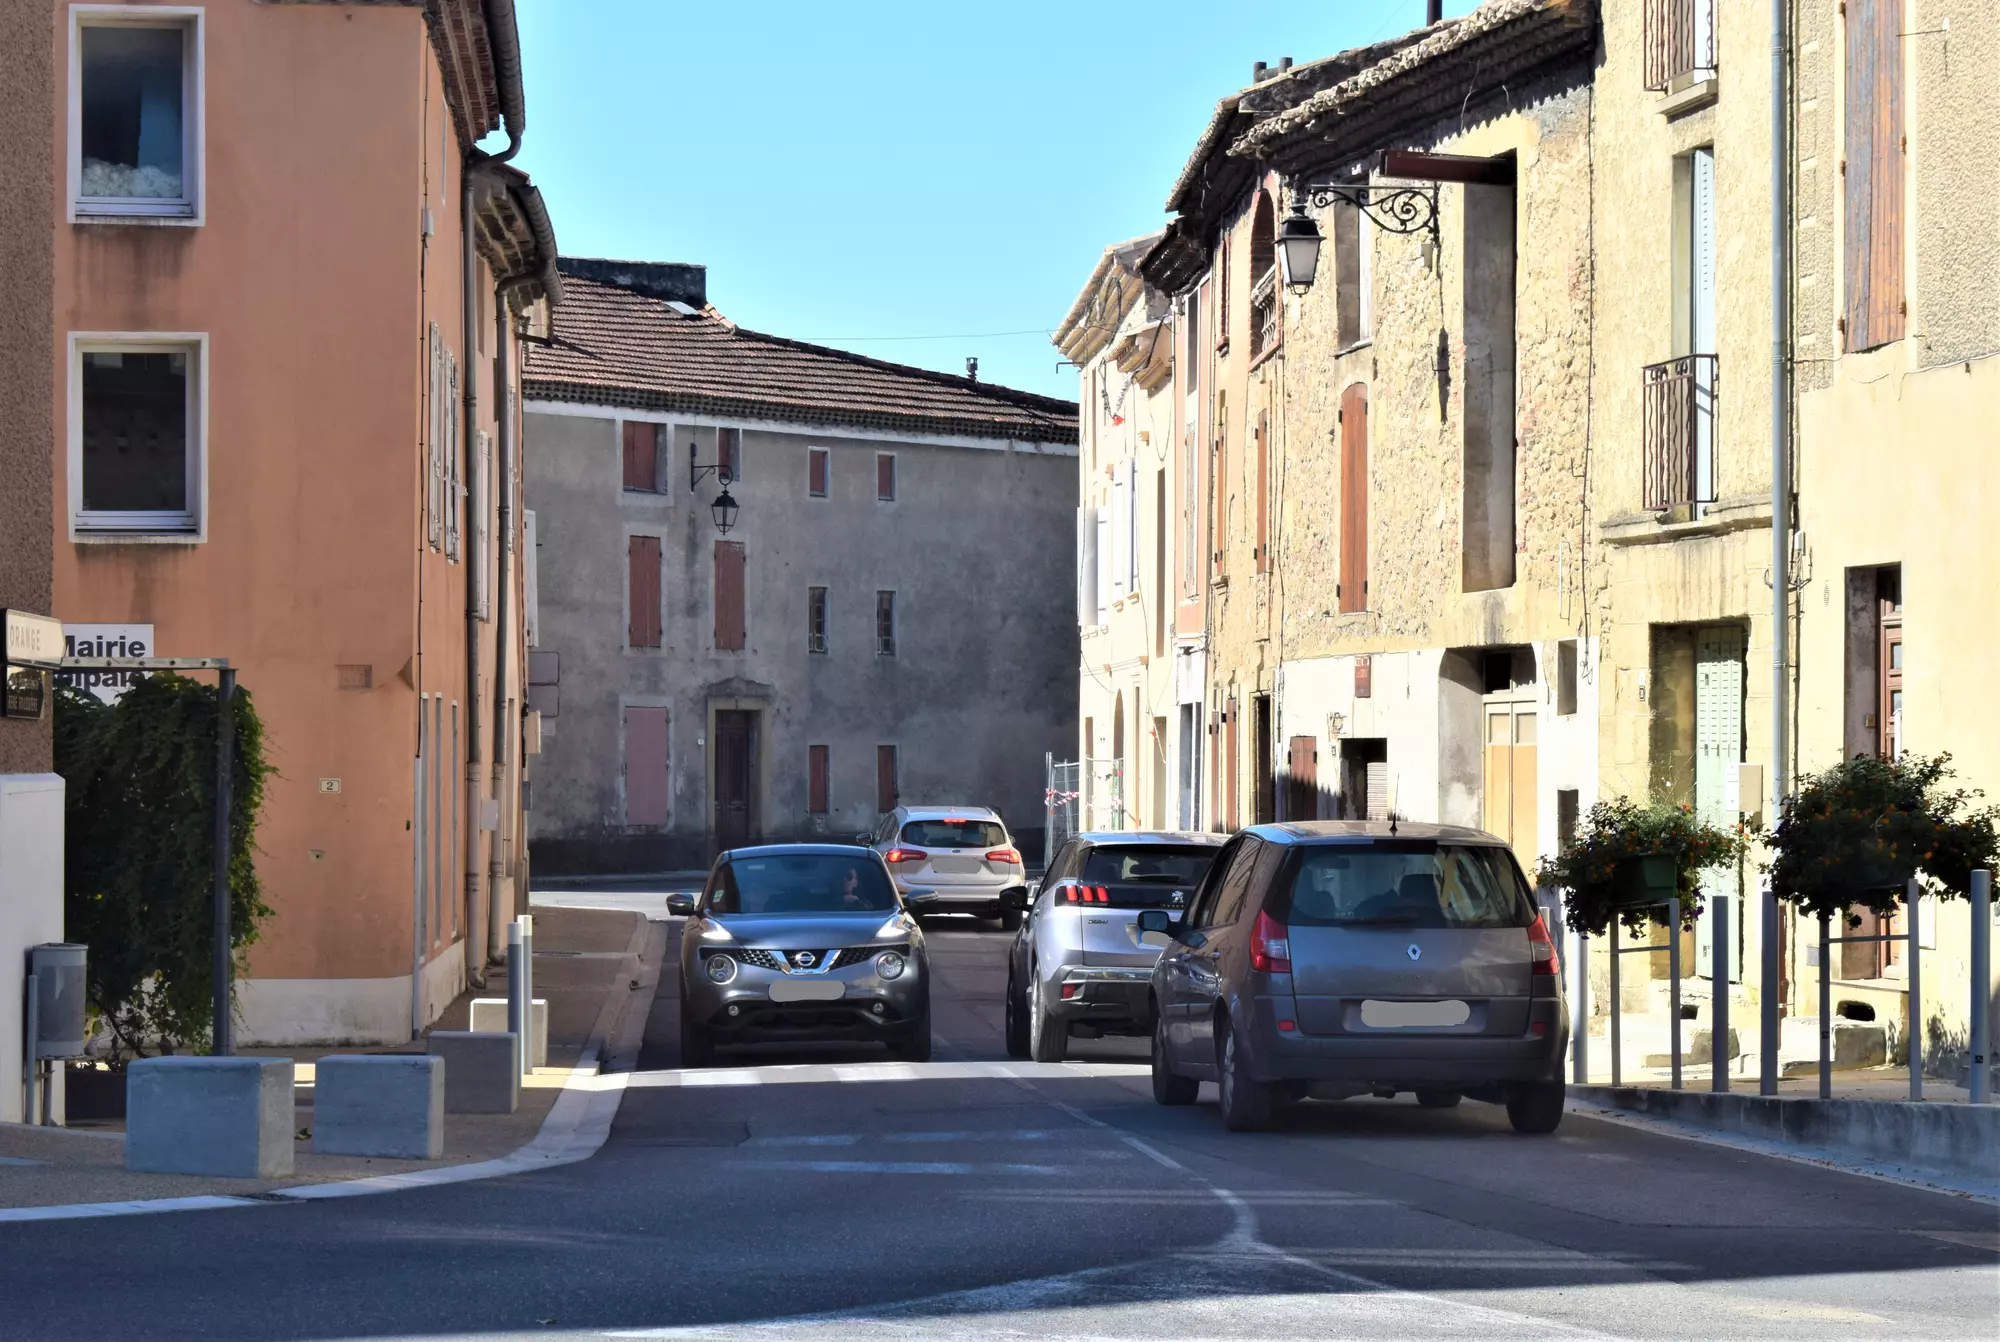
1342	958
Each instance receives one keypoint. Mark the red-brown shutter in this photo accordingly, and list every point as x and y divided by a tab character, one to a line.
1354	498
729	453
816	472
1263	555
885	778
816	780
1873	164
642	557
641	458
885	476
729	623
646	794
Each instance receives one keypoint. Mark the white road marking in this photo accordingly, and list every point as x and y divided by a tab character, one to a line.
909	1167
144	1206
902	1138
843	1073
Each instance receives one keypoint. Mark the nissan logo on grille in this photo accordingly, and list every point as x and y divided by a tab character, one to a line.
804	959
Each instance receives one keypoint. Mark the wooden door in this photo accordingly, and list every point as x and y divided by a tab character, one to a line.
1353	585
1511	810
1718	746
735	777
1302	787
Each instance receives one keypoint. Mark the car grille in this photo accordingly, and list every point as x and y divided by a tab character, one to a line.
757	959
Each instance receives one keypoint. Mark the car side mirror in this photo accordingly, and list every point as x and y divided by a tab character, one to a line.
1162	921
865	840
920	901
681	905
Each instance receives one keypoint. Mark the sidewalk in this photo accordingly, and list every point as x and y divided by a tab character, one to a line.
586	962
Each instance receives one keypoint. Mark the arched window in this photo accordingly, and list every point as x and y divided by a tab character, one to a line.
1263	239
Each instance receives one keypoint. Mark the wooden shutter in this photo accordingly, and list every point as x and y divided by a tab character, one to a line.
1263	486
434	446
1302	764
816	472
645	766
642	626
816	780
886	791
729	453
1354	498
641	456
482	528
729	622
885	476
1873	164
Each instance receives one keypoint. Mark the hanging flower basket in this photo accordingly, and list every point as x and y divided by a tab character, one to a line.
1858	833
1627	860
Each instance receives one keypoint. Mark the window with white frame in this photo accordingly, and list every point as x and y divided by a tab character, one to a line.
135	111
136	434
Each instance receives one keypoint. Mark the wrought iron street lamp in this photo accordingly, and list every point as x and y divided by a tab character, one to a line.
725	507
1396	209
1298	247
723	510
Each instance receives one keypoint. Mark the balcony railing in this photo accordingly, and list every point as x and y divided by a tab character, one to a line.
1679	415
1679	41
1264	314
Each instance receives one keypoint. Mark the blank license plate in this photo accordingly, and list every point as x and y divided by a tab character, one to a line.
808	990
955	866
1407	1015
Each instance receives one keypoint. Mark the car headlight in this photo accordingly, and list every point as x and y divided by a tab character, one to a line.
720	968
889	965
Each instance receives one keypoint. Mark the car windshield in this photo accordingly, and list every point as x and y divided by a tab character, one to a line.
1146	876
1418	886
801	883
954	834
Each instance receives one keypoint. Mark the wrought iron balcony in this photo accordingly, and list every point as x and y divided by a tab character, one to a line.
1679	41
1679	443
1264	314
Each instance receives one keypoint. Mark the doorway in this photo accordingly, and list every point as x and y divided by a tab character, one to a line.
735	777
1511	812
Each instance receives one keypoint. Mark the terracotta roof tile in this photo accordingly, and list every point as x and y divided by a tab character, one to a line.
613	346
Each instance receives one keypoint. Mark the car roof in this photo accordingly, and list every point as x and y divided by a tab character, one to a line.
949	813
796	849
1367	831
1153	836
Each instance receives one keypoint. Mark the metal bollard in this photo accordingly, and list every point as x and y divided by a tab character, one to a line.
518	1017
527	991
1979	1081
1617	1053
1915	1023
1718	1015
1580	1014
31	1061
1674	990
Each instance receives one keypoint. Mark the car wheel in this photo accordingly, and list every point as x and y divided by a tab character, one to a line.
1169	1088
1438	1099
697	1047
1010	920
1247	1105
1537	1107
915	1044
1017	1020
1048	1038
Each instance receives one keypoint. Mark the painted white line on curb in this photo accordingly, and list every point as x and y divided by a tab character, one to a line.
73	1210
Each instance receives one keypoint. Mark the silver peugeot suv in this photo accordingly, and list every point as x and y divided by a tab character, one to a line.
1080	962
803	942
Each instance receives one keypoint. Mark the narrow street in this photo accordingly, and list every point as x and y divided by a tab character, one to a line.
823	1194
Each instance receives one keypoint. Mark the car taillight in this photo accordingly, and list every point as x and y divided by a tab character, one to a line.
1541	950
1086	894
895	855
1270	950
1004	855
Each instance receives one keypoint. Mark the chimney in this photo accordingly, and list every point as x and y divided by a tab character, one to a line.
1433	12
972	370
1284	63
1257	72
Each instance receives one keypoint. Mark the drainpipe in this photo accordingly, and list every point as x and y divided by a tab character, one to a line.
503	648
1781	529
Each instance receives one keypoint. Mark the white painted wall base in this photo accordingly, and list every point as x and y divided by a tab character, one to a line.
31	912
293	1013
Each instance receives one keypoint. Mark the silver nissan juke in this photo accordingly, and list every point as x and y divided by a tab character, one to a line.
804	942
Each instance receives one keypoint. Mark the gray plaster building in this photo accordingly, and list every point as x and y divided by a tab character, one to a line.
888	618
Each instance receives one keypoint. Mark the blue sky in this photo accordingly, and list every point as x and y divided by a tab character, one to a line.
849	172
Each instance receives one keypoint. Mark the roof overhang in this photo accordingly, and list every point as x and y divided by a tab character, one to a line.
514	235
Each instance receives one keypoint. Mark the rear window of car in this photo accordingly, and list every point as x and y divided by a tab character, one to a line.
955	834
1415	885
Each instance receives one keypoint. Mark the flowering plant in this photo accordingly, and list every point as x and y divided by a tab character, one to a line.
1857	833
1601	870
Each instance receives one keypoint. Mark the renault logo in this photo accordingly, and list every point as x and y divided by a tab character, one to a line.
804	959
1415	950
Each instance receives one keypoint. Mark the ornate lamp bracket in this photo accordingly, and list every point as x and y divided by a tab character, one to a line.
1394	209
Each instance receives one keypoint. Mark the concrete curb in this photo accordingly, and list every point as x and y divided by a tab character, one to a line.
1954	1141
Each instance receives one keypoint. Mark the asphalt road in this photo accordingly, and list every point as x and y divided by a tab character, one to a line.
831	1194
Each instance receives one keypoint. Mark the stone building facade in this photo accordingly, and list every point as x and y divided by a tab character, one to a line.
885	621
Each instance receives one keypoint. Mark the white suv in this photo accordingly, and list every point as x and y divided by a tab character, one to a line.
962	854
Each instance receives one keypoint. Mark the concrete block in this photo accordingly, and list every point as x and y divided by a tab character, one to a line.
482	1070
220	1116
489	1016
382	1104
1695	1047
